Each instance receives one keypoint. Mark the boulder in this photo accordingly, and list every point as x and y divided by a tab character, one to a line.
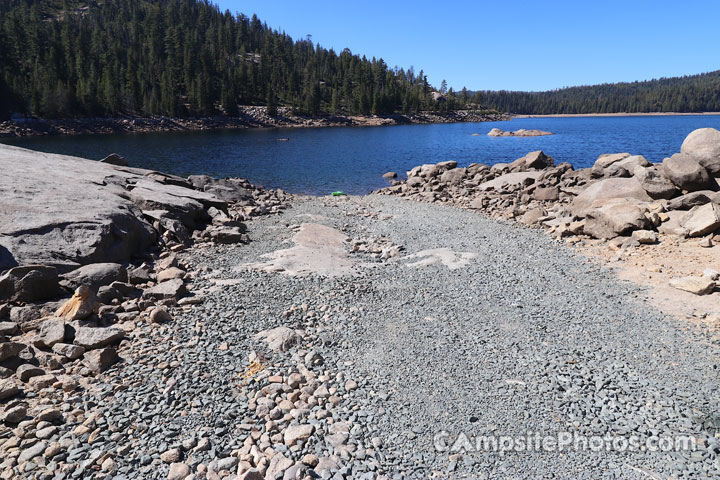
644	236
522	132
172	289
8	388
546	194
115	159
533	160
609	218
607	189
95	275
454	176
694	285
279	339
52	331
701	220
73	352
517	179
9	328
703	145
685	172
390	175
654	182
95	337
170	273
692	199
66	212
100	360
607	159
30	283
632	162
82	304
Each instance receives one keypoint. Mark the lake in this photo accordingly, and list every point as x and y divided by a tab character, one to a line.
321	160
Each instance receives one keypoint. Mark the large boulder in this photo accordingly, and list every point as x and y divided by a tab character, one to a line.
701	220
612	217
607	189
605	160
66	212
685	172
654	182
32	283
95	275
703	145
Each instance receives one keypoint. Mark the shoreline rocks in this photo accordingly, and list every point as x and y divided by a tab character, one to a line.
620	195
496	132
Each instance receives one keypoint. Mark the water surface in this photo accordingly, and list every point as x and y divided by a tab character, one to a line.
352	159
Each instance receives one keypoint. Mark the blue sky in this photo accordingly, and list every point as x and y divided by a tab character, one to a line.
520	45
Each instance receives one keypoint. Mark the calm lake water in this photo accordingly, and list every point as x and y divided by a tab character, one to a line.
321	160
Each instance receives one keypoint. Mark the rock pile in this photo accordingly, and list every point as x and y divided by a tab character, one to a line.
108	235
623	198
496	132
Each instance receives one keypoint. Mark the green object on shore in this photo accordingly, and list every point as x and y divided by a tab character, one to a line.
338	194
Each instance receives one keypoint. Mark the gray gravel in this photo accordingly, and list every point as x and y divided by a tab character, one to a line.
527	338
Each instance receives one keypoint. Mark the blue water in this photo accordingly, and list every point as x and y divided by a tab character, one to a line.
321	160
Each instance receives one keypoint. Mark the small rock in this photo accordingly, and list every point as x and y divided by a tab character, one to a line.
279	339
26	371
10	349
82	304
173	455
644	236
295	433
160	315
72	352
52	331
100	360
172	289
695	285
178	471
96	337
16	414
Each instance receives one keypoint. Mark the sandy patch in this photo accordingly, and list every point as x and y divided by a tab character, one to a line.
444	256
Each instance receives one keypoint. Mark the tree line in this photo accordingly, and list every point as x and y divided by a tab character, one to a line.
693	93
184	58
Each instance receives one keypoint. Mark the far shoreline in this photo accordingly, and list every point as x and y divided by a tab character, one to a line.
646	114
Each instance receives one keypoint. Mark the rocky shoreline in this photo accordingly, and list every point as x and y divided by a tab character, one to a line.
623	200
248	117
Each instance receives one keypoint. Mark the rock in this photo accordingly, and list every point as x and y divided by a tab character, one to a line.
453	176
77	206
170	274
605	160
226	235
692	199
15	414
96	337
139	275
278	464
694	285
183	204
30	283
115	159
546	194
496	132
685	172
173	455
632	162
178	471
607	189
72	352
10	349
49	415
82	304
703	145
8	389
295	433
713	275
42	381
95	275
644	236
701	220
534	160
26	371
107	294
615	216
32	452
251	474
52	331
390	175
172	289
279	339
516	179
655	183
160	315
100	360
8	328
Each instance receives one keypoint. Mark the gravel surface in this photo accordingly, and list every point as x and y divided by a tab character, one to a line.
525	338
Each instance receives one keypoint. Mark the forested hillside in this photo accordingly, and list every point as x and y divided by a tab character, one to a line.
178	58
694	93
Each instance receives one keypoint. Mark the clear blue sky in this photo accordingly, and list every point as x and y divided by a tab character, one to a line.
512	45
